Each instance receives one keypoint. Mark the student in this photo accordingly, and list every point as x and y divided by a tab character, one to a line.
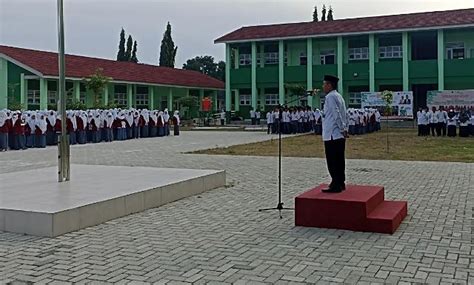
222	117
51	132
129	122
71	127
317	121
352	122
4	130
81	121
286	120
166	119
270	121
108	127
144	121
433	120
464	120
441	125
161	124
311	122
452	121
378	119
425	122
153	131
176	122
30	130
257	117
136	124
419	120
252	116
40	131
19	132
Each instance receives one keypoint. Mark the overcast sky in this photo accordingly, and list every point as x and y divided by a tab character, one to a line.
93	26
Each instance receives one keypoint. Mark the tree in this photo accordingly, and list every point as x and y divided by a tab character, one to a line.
323	17
315	14
128	52
121	51
206	65
96	83
330	15
134	53
167	49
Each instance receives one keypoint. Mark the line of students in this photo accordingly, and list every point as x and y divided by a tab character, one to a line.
303	120
37	129
442	122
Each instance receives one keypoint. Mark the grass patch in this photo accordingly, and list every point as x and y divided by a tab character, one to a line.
404	144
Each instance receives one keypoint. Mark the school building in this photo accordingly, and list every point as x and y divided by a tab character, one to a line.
411	52
30	78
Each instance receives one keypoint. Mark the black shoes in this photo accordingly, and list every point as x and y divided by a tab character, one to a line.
334	189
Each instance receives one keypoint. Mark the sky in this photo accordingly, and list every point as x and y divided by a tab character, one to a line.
92	27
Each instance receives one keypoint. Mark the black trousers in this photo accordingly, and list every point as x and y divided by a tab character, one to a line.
335	159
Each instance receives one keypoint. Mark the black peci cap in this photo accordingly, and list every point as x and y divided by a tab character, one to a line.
330	78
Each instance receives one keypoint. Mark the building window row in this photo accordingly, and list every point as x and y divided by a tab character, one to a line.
33	97
391	52
359	53
271	99
245	59
142	100
245	100
120	99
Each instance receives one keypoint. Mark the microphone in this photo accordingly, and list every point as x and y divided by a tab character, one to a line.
313	92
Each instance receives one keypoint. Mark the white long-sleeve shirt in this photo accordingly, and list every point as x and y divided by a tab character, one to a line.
334	117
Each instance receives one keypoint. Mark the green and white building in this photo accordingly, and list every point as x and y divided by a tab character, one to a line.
412	52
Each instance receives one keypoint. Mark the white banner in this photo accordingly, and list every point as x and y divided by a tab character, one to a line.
450	98
402	104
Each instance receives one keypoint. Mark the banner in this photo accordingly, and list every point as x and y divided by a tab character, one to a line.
450	98
402	104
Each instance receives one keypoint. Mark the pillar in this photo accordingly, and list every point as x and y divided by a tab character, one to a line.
372	63
170	99
340	62
405	69
77	90
262	98
236	58
237	100
254	75
3	83
151	97
440	60
214	95
43	94
106	94
23	91
309	72
262	55
228	92
129	96
281	72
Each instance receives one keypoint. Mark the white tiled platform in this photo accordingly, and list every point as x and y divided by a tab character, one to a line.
33	202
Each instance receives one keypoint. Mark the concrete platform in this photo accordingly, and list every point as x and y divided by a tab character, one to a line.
32	202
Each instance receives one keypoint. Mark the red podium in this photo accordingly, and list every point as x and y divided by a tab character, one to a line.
358	208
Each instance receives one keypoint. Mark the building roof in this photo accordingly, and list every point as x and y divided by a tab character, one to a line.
415	21
46	63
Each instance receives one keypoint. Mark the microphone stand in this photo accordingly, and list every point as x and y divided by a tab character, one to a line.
280	206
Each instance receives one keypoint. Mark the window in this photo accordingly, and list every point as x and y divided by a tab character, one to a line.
82	97
142	100
303	58
271	99
52	97
271	58
120	99
33	97
328	57
455	50
245	59
358	53
245	99
355	99
391	52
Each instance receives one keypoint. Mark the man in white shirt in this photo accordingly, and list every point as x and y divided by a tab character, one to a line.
334	134
270	120
222	117
257	117
433	120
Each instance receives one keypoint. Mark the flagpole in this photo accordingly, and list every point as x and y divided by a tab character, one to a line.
63	144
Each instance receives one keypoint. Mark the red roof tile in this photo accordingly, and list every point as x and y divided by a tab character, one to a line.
355	25
80	66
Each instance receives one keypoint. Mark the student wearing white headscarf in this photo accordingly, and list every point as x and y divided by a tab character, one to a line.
51	123
81	121
144	122
166	118
4	130
160	123
129	122
153	131
136	124
176	122
71	124
19	131
30	129
40	131
108	124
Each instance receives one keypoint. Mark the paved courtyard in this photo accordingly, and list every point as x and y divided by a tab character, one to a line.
220	237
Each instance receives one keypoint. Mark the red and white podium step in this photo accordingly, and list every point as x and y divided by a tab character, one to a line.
358	208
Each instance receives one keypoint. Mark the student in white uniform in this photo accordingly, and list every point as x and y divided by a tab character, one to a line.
270	121
252	116
433	120
222	117
257	117
452	122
